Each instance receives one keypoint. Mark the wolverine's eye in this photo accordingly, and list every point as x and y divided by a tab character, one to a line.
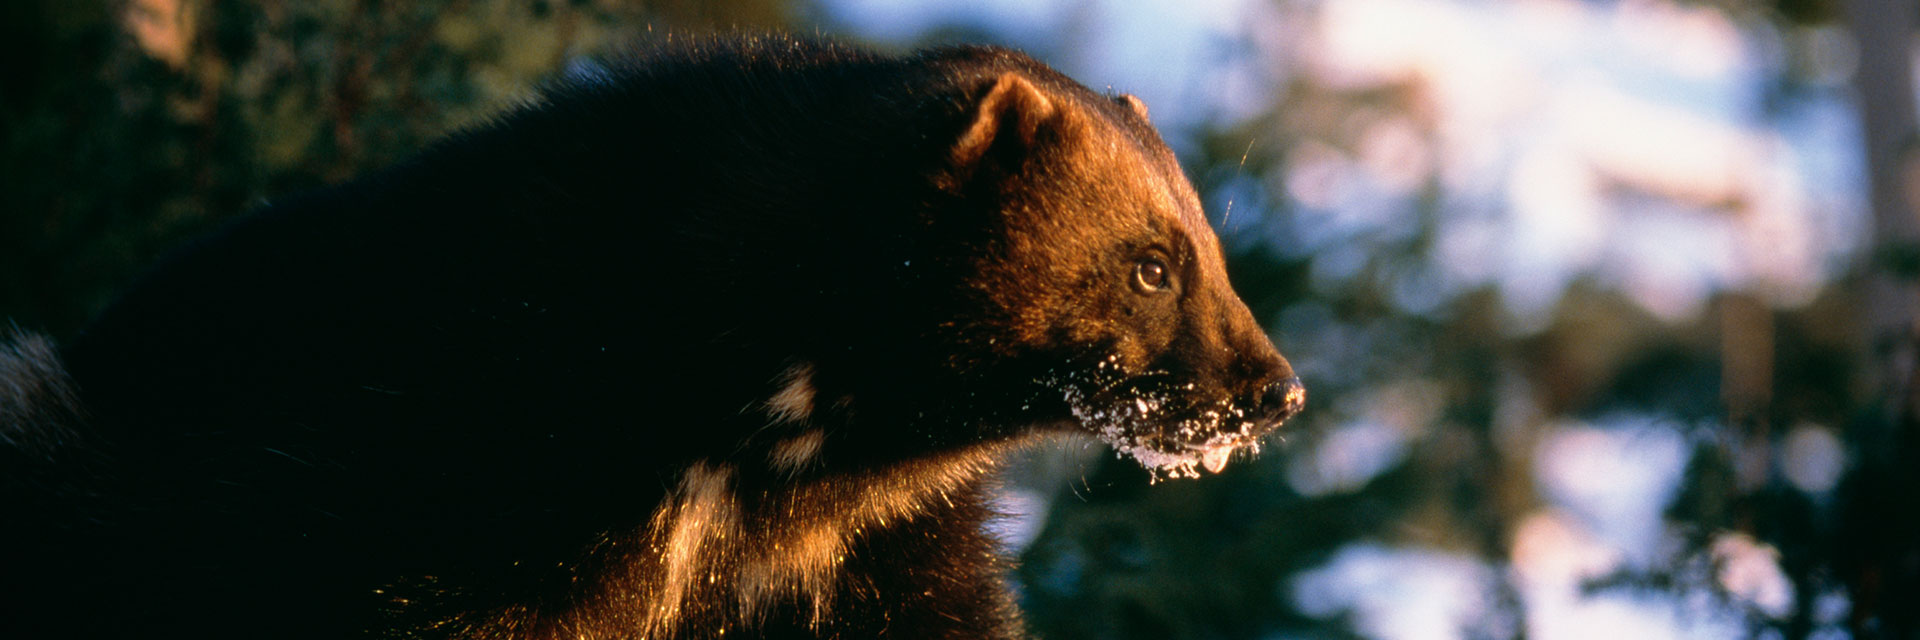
1150	274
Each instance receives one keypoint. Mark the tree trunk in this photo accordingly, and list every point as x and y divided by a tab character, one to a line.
1880	558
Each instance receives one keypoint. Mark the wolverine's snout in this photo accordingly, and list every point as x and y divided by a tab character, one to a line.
1281	400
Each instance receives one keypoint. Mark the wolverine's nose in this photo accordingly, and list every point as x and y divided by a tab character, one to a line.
1283	399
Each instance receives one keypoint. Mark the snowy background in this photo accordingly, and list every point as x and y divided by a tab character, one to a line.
1575	170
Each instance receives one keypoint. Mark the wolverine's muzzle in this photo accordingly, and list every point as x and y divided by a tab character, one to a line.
1174	425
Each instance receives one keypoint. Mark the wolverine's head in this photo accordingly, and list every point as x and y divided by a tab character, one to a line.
1097	277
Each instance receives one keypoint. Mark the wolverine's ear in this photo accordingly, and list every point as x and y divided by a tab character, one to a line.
1011	115
1139	108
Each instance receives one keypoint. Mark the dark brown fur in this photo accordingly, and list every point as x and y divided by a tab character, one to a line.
723	339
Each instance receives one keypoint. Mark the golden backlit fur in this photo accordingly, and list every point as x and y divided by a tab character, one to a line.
708	557
798	452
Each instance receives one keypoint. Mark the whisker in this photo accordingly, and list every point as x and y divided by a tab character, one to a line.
1242	167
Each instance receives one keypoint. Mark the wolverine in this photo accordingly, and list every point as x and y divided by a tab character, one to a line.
720	339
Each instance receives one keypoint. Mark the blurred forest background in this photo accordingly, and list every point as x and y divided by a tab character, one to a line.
1607	307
